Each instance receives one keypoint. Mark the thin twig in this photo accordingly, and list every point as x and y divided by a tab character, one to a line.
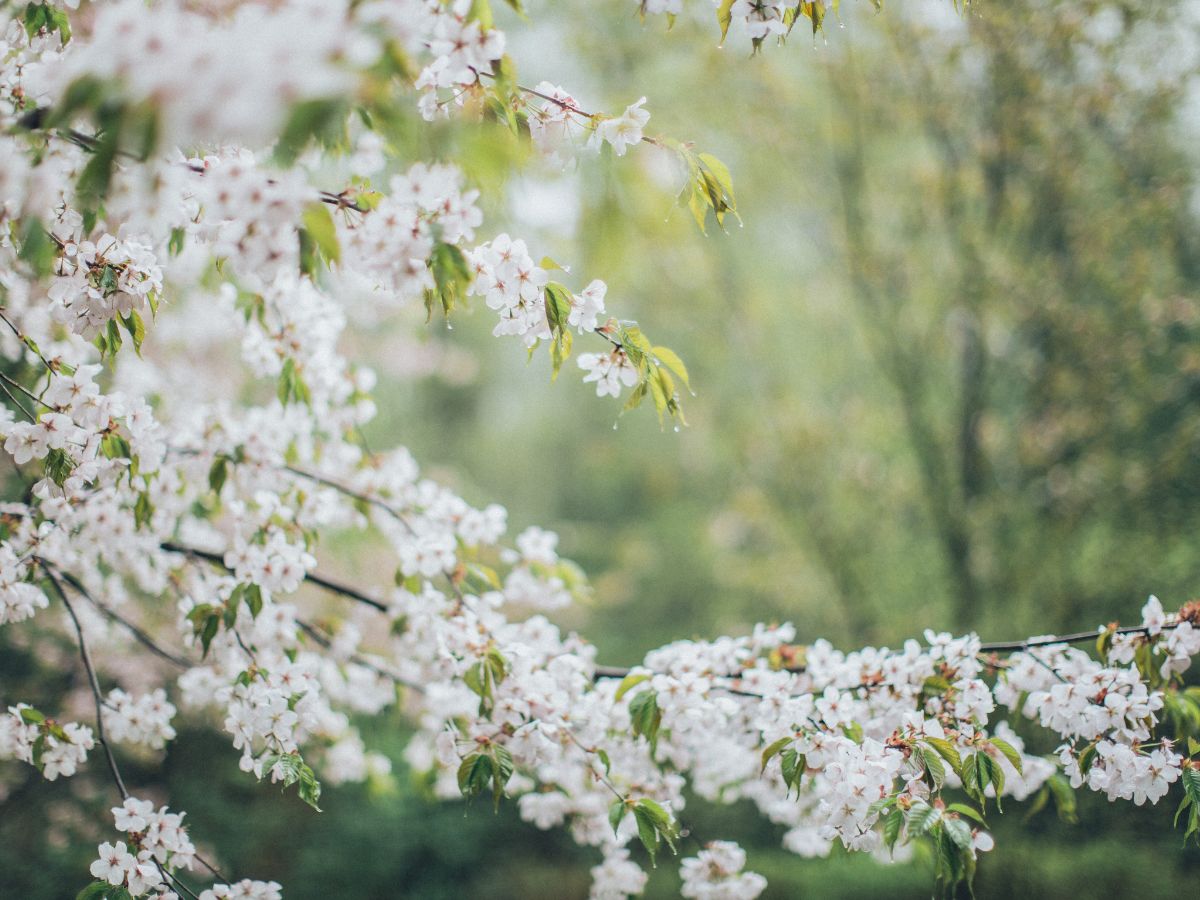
329	584
20	387
140	634
23	339
211	868
377	502
358	659
17	403
1079	637
97	695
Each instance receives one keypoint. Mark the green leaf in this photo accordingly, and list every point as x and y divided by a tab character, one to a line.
37	247
82	93
451	277
636	398
39	16
671	360
208	632
31	716
934	767
959	832
1063	797
616	813
97	890
660	819
291	386
481	12
59	466
892	826
629	682
175	244
772	750
254	599
323	121
654	825
963	810
218	473
94	180
143	510
725	17
318	224
793	765
310	788
474	772
502	771
721	173
647	833
1009	751
646	717
947	751
558	305
995	775
137	329
922	817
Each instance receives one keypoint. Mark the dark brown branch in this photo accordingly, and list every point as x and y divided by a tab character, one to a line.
329	584
358	659
138	633
97	695
373	501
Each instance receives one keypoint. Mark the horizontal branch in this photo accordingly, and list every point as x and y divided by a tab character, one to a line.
329	584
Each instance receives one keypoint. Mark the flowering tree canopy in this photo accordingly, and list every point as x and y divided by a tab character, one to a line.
198	198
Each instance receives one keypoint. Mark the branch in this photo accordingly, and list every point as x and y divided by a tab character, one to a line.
97	696
329	584
141	635
373	501
1078	637
357	658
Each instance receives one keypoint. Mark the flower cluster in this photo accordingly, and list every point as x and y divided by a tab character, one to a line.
27	735
220	77
144	720
19	599
102	280
245	889
715	873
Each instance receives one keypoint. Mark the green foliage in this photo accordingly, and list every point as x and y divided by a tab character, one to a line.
312	121
42	17
37	247
102	890
489	767
318	239
292	769
1191	801
558	309
709	186
451	278
655	826
484	675
646	717
59	466
291	387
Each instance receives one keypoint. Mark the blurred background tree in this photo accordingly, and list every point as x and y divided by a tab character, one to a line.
947	376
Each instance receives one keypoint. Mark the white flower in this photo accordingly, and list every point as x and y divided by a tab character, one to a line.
114	864
623	130
609	371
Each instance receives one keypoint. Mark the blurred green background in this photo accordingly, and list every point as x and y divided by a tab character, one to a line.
946	376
